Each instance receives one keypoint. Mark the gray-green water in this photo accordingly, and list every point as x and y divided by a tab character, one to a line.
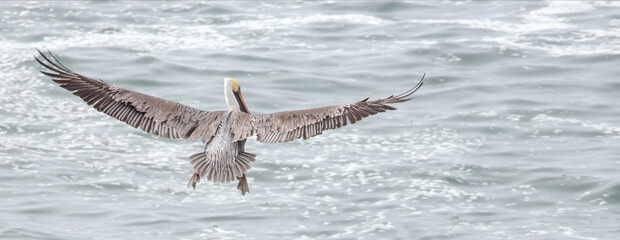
515	134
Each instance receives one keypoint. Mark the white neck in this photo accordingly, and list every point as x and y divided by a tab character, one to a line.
231	101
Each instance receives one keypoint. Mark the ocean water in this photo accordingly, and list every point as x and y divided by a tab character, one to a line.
515	134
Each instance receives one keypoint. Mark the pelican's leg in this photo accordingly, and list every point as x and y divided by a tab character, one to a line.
243	185
193	180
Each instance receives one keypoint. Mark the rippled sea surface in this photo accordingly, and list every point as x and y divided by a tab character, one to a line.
515	134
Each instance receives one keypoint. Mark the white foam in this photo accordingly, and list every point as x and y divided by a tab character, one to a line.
548	18
548	24
571	233
555	121
146	38
489	114
607	3
266	22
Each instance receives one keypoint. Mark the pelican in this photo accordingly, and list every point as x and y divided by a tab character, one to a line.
224	133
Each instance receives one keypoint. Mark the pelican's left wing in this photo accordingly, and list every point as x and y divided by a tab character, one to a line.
290	125
151	114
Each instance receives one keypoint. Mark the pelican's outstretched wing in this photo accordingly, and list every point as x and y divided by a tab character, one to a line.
153	115
290	125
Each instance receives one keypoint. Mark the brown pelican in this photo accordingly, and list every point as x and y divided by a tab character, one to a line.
224	133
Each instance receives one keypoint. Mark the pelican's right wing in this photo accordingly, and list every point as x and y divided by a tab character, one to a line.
151	114
290	125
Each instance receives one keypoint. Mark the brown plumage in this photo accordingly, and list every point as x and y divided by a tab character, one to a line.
223	132
290	125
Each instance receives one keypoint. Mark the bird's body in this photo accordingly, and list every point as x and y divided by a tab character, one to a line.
223	160
224	133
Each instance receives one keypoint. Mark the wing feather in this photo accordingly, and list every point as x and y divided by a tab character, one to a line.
290	125
151	114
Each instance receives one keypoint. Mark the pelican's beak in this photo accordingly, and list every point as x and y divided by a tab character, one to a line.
242	105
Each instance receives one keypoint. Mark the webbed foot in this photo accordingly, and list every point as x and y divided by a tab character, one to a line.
243	185
193	180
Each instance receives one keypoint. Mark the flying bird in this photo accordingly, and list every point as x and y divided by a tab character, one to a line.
224	133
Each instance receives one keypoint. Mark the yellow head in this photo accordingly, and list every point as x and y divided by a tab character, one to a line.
235	85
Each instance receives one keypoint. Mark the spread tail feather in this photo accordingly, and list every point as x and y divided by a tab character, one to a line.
203	166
